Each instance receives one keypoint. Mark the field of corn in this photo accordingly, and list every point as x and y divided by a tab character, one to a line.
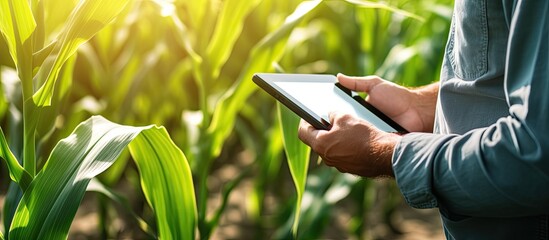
143	112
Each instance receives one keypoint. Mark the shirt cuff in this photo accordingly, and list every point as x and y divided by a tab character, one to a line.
413	167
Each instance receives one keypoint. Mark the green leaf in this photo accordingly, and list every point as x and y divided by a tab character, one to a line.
51	201
17	173
54	23
167	183
297	154
227	29
88	18
269	50
198	13
17	25
49	114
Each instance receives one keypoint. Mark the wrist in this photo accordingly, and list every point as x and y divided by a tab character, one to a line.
385	147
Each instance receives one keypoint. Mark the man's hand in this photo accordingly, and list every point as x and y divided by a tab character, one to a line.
352	145
412	109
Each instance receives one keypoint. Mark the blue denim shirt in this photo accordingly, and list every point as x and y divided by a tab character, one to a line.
486	167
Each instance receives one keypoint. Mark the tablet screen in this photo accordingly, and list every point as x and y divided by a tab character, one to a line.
318	95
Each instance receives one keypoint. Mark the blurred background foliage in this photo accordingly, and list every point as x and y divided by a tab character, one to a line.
187	65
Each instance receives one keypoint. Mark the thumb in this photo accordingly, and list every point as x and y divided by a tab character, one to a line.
359	84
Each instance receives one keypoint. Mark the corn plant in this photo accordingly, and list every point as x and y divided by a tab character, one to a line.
48	200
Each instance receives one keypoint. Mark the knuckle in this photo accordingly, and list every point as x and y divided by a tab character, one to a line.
376	78
343	119
346	116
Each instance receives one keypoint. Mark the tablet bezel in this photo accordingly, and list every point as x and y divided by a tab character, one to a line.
266	82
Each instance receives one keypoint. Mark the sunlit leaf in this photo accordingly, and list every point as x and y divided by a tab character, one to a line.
227	29
38	37
84	22
264	54
297	154
40	56
17	25
51	201
63	85
57	12
184	38
199	9
167	183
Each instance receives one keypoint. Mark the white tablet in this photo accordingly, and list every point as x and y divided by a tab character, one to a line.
314	96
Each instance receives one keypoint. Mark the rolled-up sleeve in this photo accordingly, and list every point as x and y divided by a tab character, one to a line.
501	170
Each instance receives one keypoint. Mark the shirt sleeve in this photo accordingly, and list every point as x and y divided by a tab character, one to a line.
501	170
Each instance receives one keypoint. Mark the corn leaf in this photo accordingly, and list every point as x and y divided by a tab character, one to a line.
297	154
17	25
198	13
228	27
84	22
167	183
63	85
52	199
54	23
264	54
17	173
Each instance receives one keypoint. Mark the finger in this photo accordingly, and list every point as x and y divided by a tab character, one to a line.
361	84
337	117
333	116
306	132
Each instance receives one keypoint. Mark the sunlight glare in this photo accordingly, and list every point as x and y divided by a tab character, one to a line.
167	7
